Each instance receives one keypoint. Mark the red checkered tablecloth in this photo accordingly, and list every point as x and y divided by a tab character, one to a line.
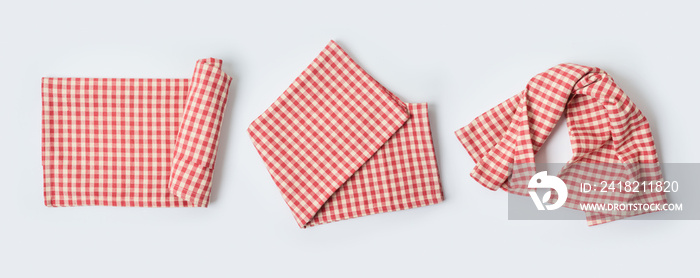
340	145
611	139
132	142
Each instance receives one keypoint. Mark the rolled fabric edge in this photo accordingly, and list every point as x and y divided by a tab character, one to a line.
196	143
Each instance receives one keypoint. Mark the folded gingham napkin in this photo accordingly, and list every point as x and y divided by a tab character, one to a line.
339	145
611	140
132	142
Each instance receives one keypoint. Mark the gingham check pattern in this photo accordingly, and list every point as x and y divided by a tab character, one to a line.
611	139
328	125
402	174
132	142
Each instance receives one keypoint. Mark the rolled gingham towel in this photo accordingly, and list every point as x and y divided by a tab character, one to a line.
339	145
611	140
132	142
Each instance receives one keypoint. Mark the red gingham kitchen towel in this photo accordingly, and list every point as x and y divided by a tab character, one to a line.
132	142
611	139
339	145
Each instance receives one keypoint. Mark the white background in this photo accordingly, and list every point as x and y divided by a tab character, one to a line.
461	58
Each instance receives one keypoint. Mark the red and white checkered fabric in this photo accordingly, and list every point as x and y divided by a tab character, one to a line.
611	139
132	142
339	145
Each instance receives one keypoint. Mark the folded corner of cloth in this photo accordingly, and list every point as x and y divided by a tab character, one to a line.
610	137
132	141
339	145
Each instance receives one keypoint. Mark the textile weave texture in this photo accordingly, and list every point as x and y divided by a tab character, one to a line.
132	142
339	145
610	136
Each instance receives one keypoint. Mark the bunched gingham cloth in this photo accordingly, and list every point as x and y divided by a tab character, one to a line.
339	145
132	142
611	140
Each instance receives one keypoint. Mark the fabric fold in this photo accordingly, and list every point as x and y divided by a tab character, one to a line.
132	142
198	135
611	139
318	135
